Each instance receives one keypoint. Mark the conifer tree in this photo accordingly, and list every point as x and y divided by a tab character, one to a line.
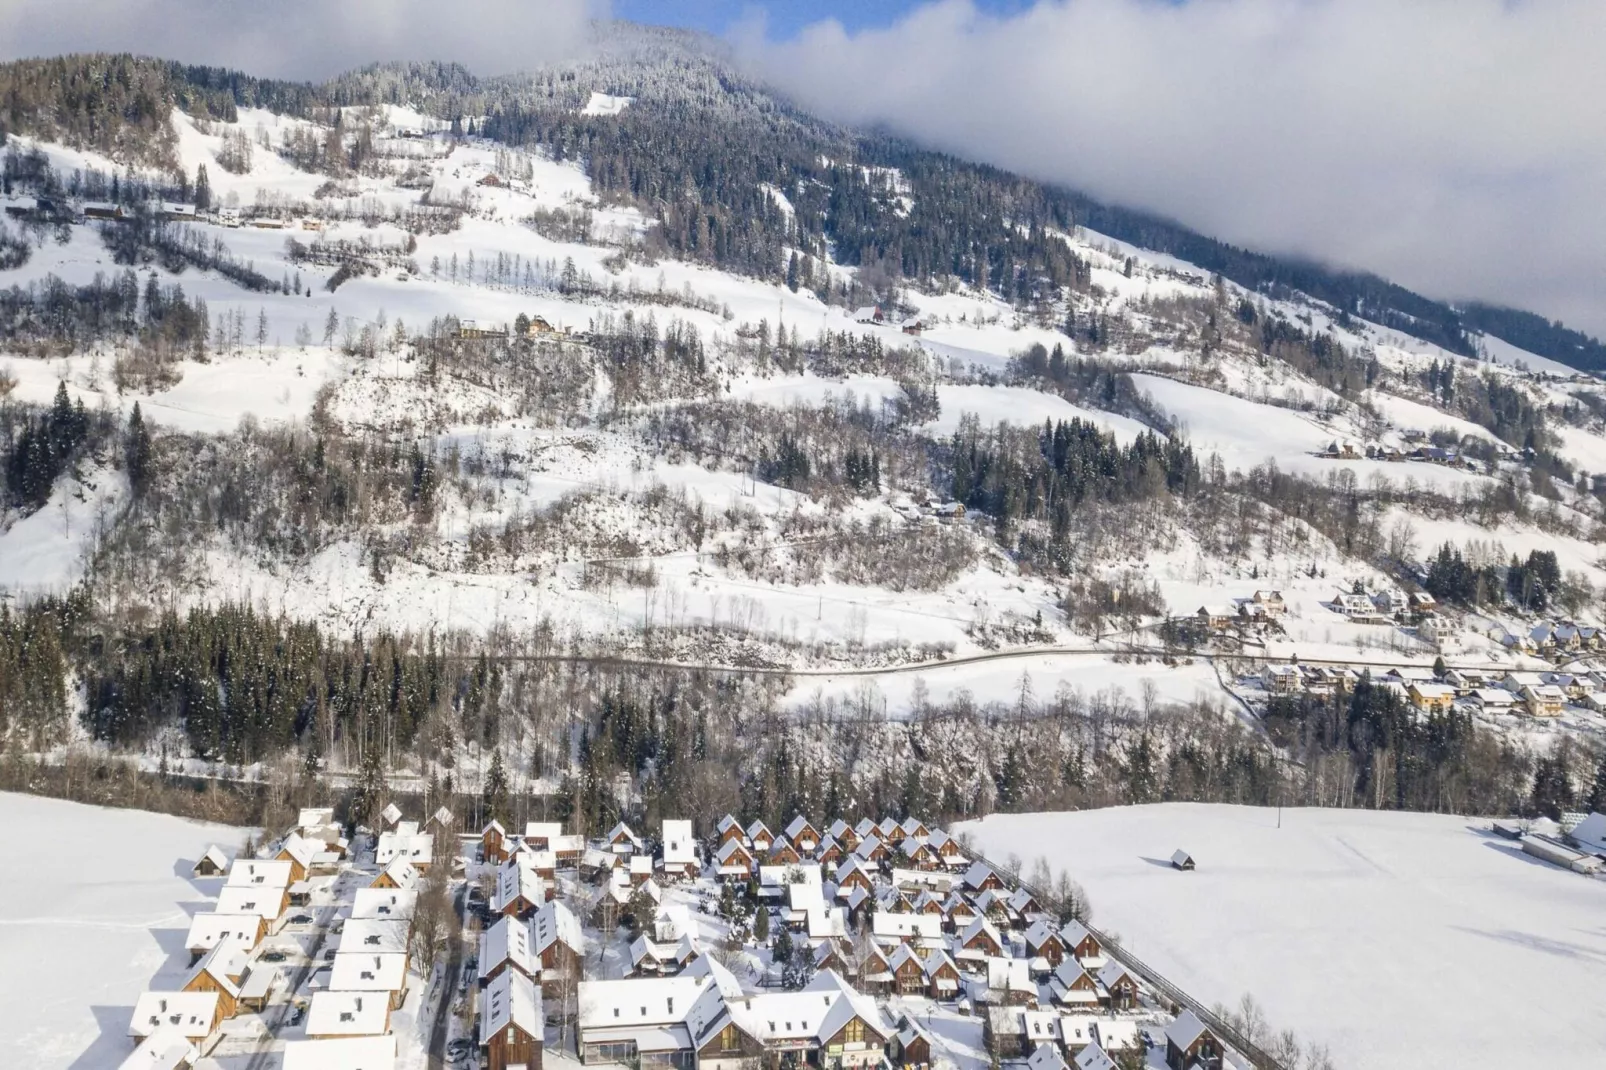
137	453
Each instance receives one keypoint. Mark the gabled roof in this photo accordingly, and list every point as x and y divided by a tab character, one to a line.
798	825
258	873
757	827
383	903
679	847
978	873
189	1013
1040	933
1094	1057
444	817
403	872
511	999
1185	1029
543	830
214	854
726	823
1045	1057
981	925
508	941
555	923
391	813
839	828
224	964
1074	932
301	850
367	971
515	878
267	903
348	1014
1112	972
623	830
1009	975
167	1048
729	850
210	929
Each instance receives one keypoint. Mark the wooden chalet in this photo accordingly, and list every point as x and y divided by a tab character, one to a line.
1189	1043
783	853
493	842
922	855
872	849
831	852
621	840
512	1023
1182	860
981	936
1120	986
911	1046
727	830
557	940
981	878
854	874
194	1015
209	930
804	836
1082	944
908	971
213	863
221	971
843	833
1044	941
733	861
759	835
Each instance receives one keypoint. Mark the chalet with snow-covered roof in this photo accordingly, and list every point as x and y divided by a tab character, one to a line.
1073	987
1043	941
299	852
374	934
830	852
493	842
519	890
212	863
680	850
908	971
1094	1057
1046	1057
1189	1043
196	1016
803	835
399	874
783	853
559	943
760	837
843	833
220	972
948	849
980	937
334	1014
869	314
1119	985
208	930
922	855
1181	859
1009	981
1545	700
981	878
384	903
872	849
621	840
727	830
512	1024
390	817
269	903
911	1046
376	973
506	945
167	1048
891	831
733	861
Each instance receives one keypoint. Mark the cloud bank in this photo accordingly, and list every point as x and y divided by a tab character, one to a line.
312	39
1456	146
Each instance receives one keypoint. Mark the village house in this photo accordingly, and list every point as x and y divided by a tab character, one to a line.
493	842
393	904
210	929
622	841
519	889
760	837
1431	698
399	874
727	830
167	1048
843	833
506	945
680	850
732	861
213	863
1544	700
1044	942
1120	986
1216	617
1270	602
1282	679
268	903
347	1014
557	940
1189	1043
220	972
194	1015
512	1023
375	973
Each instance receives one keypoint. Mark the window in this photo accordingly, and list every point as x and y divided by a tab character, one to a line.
853	1032
728	1040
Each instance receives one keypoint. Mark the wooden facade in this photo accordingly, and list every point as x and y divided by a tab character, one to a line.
513	1047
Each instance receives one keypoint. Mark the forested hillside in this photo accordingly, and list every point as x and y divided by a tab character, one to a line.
735	176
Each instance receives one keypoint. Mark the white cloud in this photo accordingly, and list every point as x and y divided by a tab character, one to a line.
1455	146
304	38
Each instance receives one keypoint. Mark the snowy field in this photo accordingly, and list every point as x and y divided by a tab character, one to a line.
1398	940
93	910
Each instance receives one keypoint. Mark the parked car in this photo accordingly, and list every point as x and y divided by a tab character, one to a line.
274	955
301	919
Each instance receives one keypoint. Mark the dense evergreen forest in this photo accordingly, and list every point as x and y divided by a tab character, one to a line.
710	155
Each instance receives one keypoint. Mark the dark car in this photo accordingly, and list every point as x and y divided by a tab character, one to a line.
275	955
301	919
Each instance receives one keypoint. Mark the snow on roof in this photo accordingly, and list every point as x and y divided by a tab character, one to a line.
797	826
368	971
1116	1034
1047	1057
257	873
1094	1057
210	929
839	828
757	828
978	873
726	823
622	831
1591	831
639	1001
225	964
979	925
1009	975
240	899
905	926
1077	1029
259	981
1111	973
190	1013
729	850
391	813
1184	1029
383	903
444	817
543	830
403	845
508	941
341	1053
793	873
515	878
555	923
214	854
166	1048
511	999
679	847
1493	696
1180	857
371	934
348	1014
300	849
315	817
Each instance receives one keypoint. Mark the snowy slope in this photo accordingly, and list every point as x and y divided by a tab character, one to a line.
92	913
1399	940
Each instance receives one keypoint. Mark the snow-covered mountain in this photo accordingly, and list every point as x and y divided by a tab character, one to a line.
506	367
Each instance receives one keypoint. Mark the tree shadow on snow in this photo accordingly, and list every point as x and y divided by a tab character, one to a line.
112	1046
1535	942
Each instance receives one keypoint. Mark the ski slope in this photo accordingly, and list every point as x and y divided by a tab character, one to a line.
93	911
1398	940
